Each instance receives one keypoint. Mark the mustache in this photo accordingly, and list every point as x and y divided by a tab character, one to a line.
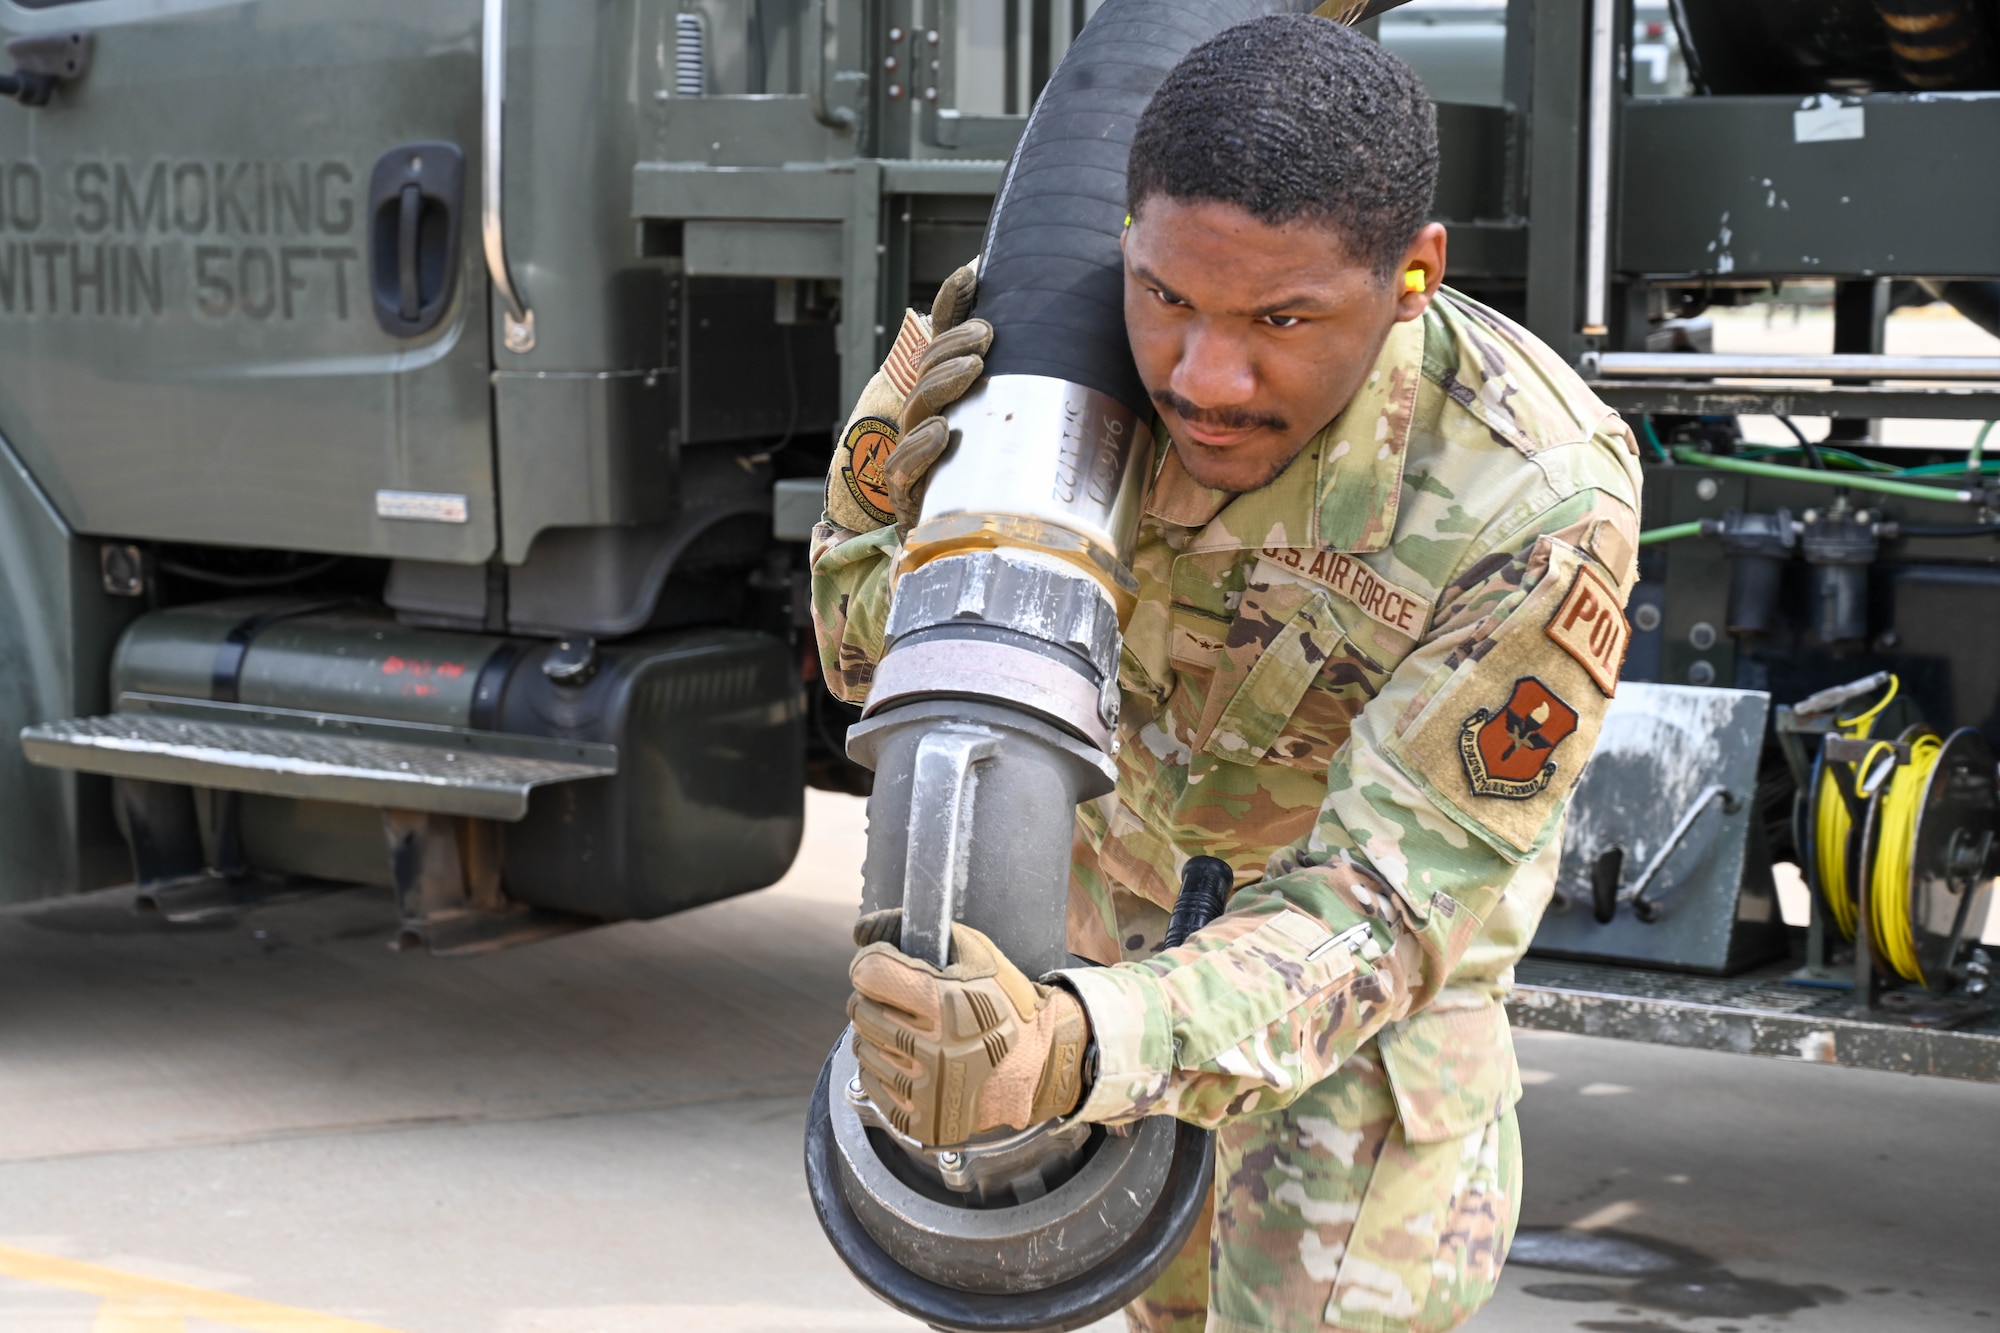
1219	418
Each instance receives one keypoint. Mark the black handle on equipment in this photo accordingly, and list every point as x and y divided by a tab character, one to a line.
1205	885
415	196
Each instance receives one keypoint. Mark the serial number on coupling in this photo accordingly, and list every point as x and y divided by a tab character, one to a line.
1092	466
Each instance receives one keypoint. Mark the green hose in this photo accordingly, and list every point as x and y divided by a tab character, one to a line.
1986	468
1674	532
1847	461
1859	481
1653	438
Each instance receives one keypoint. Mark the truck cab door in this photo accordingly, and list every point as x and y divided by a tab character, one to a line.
241	294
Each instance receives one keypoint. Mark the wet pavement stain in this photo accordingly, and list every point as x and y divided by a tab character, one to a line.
1721	1294
1568	1291
1662	1276
1628	1326
1602	1253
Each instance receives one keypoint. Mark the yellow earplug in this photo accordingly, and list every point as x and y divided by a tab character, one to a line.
1414	280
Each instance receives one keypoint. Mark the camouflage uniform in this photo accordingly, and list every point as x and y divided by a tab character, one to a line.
1368	686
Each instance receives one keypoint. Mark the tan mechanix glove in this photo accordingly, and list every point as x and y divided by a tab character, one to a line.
955	360
953	1053
895	433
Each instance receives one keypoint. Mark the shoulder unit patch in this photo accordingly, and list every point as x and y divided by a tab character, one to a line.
1590	627
869	443
1509	754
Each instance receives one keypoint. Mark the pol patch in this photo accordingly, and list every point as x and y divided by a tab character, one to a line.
1590	627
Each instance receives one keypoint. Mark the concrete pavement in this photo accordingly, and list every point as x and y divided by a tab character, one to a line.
282	1124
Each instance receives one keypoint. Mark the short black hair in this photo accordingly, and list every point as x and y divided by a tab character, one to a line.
1292	117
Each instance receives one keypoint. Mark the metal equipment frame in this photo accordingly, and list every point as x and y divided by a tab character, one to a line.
1575	204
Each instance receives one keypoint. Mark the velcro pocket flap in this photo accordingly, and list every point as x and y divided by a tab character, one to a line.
1278	662
1452	1070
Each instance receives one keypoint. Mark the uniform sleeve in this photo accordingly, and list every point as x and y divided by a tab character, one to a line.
850	605
856	537
1453	777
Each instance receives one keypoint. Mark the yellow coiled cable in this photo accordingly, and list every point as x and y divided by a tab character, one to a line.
1895	839
1832	828
1830	854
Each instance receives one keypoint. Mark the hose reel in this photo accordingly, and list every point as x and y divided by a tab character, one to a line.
1899	844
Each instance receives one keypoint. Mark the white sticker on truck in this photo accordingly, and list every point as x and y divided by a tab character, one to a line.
421	506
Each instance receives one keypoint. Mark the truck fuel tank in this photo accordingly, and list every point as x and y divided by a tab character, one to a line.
313	655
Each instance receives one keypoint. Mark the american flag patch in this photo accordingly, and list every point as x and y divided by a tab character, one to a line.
912	341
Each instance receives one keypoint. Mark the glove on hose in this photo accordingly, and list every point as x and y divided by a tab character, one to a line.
947	1054
955	359
953	362
879	470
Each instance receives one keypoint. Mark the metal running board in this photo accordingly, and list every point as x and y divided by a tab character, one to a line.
1759	1013
317	756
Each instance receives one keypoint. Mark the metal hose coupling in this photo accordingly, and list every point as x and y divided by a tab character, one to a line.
993	712
1055	467
1014	584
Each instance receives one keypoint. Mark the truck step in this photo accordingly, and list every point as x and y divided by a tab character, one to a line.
316	756
1762	1012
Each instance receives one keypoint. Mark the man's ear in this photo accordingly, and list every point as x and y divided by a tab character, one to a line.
1421	272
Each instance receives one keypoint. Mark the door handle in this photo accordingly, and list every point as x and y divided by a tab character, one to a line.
415	205
409	287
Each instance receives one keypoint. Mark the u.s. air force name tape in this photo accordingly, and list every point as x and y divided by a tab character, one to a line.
1381	601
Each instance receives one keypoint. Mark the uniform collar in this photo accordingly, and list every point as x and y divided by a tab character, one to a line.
1340	494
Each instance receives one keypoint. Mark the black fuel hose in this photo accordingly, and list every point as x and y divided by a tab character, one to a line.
1948	530
1051	281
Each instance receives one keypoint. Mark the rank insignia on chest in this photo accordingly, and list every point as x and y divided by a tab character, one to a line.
1510	754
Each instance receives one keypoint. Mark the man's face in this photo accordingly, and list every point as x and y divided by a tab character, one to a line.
1251	337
